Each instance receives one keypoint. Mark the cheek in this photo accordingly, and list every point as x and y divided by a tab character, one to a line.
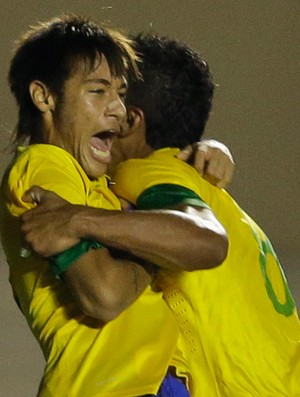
94	107
86	111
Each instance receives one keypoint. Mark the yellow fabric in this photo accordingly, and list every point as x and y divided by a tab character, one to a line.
233	314
128	356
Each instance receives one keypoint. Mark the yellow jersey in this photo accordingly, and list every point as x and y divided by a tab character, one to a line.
128	356
239	324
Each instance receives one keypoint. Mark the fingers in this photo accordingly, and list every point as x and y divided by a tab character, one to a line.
34	195
219	172
201	154
38	195
212	159
194	155
186	153
219	167
226	178
219	163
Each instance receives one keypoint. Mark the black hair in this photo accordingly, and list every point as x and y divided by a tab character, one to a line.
175	93
49	52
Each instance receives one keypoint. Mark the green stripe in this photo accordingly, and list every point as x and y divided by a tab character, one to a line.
168	195
61	262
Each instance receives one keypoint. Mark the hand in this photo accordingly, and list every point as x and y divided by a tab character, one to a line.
212	159
47	228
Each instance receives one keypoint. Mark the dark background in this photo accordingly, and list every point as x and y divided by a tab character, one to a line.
252	47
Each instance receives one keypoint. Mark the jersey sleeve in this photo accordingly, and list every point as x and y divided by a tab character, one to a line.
53	171
168	195
159	181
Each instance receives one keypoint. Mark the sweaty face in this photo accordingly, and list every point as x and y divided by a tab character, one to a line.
89	116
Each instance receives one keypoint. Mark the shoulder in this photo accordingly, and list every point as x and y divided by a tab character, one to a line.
162	167
44	153
36	158
163	160
49	167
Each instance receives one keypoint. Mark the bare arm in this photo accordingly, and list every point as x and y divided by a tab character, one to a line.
189	239
103	285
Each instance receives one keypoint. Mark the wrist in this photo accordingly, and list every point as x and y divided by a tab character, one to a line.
88	222
80	222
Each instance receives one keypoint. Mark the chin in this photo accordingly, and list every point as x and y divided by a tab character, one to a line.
98	172
94	169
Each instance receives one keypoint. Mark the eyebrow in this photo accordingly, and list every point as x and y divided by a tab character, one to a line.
106	82
99	81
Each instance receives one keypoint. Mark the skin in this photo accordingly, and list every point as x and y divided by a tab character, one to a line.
84	123
167	246
213	161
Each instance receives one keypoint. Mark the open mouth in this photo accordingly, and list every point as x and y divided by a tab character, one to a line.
101	144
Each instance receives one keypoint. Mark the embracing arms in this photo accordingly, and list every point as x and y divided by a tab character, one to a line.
104	284
187	239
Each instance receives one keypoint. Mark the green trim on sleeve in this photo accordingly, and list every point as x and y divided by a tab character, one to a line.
61	262
168	195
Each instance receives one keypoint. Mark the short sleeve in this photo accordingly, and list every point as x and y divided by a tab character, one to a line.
168	195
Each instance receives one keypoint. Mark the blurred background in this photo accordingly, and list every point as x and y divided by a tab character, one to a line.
252	47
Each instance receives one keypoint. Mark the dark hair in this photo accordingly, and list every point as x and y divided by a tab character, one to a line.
49	52
175	93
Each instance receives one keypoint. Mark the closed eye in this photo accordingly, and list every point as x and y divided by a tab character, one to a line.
97	91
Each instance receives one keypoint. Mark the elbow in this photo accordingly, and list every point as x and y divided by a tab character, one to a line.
100	313
209	255
206	246
219	253
105	308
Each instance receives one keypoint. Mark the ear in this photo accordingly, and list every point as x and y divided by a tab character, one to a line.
41	96
135	119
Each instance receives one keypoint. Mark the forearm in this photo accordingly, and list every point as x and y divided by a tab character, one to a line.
171	239
188	239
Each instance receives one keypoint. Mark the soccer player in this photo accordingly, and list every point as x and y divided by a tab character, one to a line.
102	329
239	325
